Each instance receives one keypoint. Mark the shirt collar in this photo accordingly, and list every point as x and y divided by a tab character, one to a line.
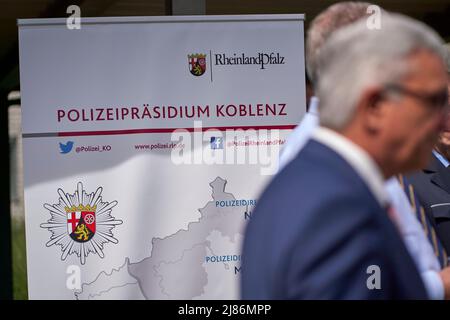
441	158
357	158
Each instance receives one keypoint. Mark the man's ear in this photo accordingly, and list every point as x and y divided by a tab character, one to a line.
371	108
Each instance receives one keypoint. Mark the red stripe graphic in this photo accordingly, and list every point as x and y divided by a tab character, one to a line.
169	130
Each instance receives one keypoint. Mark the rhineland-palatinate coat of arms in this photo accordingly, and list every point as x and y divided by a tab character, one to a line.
197	64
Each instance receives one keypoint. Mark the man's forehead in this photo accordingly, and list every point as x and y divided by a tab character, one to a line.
426	64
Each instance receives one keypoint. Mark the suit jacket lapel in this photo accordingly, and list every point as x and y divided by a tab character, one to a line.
439	175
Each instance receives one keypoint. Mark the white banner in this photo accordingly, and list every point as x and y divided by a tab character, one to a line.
119	205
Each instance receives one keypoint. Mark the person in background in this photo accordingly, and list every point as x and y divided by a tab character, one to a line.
324	223
430	258
432	184
334	17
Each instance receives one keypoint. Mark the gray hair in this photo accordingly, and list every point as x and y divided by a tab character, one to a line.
355	58
334	17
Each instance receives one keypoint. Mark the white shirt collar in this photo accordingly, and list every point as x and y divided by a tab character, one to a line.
357	158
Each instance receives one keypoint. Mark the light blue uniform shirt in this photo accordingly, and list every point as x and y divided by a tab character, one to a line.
301	134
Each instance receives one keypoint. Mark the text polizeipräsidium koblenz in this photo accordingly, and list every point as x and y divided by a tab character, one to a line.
261	59
94	114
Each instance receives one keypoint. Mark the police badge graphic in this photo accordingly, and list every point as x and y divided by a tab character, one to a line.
197	64
81	223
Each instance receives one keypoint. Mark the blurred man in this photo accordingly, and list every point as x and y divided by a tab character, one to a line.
427	252
432	184
322	225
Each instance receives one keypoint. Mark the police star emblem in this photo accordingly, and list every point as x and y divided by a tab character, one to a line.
81	223
197	64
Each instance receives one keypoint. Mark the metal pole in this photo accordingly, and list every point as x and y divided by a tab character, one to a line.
6	291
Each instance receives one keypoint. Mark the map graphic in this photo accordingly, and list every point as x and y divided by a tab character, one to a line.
202	261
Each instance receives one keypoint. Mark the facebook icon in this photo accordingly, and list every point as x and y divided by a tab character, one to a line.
216	143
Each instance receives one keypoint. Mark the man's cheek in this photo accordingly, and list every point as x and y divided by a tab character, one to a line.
445	139
447	123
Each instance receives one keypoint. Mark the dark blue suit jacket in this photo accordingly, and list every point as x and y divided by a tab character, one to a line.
315	231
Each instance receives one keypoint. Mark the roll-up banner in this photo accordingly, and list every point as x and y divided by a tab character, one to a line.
147	141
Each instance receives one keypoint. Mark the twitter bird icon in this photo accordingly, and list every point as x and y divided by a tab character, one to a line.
66	148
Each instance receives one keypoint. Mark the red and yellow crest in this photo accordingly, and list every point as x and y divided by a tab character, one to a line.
81	222
197	64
